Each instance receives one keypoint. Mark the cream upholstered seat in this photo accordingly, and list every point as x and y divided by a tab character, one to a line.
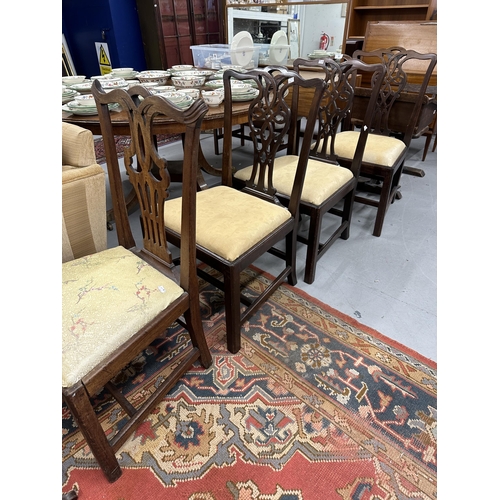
327	183
227	220
116	302
236	227
385	154
83	195
379	149
321	181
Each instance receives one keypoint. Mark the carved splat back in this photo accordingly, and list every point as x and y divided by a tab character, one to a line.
398	61
147	171
272	121
336	104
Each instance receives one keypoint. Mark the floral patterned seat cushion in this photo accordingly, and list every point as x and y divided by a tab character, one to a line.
106	298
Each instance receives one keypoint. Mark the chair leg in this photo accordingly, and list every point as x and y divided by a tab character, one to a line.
195	328
232	309
81	408
383	205
428	139
312	247
347	214
216	141
291	255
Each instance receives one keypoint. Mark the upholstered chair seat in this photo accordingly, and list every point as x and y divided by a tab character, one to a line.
380	149
110	291
322	180
229	221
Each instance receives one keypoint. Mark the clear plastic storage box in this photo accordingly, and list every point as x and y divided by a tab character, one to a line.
273	54
218	55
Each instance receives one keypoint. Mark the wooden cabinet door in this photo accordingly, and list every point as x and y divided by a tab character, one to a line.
170	27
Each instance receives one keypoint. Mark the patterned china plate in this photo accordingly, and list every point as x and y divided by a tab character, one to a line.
321	56
193	72
215	84
87	110
82	87
247	96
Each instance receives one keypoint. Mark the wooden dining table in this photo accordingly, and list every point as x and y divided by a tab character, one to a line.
214	119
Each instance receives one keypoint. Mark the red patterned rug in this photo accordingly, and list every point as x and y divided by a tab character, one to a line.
123	141
315	406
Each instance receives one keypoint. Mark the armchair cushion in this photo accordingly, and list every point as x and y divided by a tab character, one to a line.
78	146
107	297
242	220
83	195
321	181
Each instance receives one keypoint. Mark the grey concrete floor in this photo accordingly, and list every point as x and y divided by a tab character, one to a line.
388	283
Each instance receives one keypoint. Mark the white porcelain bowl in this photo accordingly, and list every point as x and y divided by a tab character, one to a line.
194	93
113	83
240	88
72	80
165	88
182	67
212	97
188	82
174	96
122	71
150	85
85	100
159	77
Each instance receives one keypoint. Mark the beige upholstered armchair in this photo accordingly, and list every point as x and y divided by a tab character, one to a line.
83	195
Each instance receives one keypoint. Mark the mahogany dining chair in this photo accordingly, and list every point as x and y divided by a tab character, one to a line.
236	227
327	183
386	149
116	302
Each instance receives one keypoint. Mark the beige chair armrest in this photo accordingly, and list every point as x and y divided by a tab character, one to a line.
77	146
83	211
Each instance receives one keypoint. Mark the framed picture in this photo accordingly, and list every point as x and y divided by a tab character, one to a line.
68	68
294	37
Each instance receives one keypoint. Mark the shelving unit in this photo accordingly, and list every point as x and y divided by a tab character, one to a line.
360	12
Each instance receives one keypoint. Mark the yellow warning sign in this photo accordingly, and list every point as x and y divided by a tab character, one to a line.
103	57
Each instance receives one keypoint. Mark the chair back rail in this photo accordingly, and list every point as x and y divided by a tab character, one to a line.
337	102
272	121
147	171
398	95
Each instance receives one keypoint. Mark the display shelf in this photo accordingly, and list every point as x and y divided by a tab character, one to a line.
361	12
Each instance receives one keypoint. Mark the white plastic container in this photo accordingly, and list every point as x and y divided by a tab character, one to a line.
217	55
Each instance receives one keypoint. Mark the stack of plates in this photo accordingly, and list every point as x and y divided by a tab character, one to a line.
247	95
215	84
320	56
78	109
83	88
68	95
177	98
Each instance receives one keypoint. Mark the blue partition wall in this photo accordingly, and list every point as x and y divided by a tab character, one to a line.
85	22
